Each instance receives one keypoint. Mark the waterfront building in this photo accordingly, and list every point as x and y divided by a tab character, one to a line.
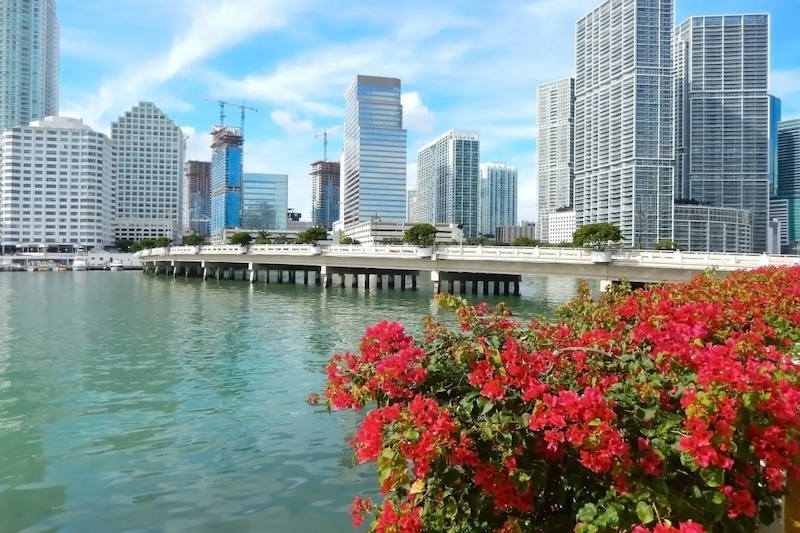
226	178
325	176
704	228
623	119
555	149
265	200
57	185
497	197
788	183
376	232
411	204
149	150
507	234
723	114
448	168
29	32
375	143
197	198
561	226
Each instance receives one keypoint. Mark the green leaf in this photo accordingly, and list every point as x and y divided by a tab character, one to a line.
714	477
450	508
587	513
645	512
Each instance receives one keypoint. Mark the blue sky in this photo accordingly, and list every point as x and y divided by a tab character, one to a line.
471	64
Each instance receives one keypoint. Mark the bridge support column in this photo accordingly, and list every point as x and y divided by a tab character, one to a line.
253	273
496	288
413	282
390	281
280	275
505	288
451	286
366	281
326	276
516	288
341	279
434	279
462	286
354	281
379	280
485	287
305	277
402	282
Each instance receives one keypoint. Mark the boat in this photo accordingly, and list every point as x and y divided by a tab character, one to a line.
116	265
81	260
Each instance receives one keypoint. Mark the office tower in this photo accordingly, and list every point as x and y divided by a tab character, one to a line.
197	198
555	149
447	180
623	119
29	61
411	204
497	197
149	150
57	184
226	178
265	200
374	171
722	114
325	177
788	190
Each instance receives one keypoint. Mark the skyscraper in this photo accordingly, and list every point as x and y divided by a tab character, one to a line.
497	197
226	178
197	198
29	61
722	114
149	150
411	205
374	172
555	149
447	180
789	179
325	176
623	119
265	200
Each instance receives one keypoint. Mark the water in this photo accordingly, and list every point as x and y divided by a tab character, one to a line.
141	404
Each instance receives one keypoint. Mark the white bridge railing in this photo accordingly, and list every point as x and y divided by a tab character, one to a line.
641	258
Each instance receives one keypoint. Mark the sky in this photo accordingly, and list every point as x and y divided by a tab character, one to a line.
465	64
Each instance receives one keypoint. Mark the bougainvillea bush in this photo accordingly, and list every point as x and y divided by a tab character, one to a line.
671	409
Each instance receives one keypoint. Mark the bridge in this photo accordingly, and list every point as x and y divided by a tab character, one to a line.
449	264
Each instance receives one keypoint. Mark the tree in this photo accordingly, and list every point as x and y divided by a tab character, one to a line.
262	237
312	235
124	245
281	239
147	244
135	247
344	239
479	241
526	241
420	235
162	242
598	236
666	244
193	240
242	238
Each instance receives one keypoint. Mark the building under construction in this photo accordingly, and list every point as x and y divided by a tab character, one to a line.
226	178
325	180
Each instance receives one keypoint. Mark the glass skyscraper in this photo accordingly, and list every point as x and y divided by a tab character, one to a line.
226	179
29	34
497	197
789	179
325	182
375	144
265	200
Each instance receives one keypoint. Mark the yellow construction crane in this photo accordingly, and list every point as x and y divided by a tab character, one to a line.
324	135
222	105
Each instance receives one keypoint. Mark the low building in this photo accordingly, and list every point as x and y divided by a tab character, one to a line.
264	199
561	227
376	232
703	228
507	234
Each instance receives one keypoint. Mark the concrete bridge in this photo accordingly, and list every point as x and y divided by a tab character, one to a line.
465	265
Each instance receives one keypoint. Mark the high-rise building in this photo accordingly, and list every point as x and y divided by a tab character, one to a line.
497	197
722	114
411	204
149	150
555	149
226	178
265	200
197	198
623	119
448	168
374	172
325	176
29	61
708	228
788	189
56	185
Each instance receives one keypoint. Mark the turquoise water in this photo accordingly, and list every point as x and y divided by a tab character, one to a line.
142	404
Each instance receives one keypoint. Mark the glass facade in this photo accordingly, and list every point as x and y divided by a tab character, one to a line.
701	228
325	181
789	178
497	197
375	145
226	179
265	201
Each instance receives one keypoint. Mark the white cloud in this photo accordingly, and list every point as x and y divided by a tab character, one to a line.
198	144
289	122
416	115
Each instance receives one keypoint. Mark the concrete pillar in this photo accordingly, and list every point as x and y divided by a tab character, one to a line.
462	286
341	279
280	275
253	276
366	281
174	270
413	282
496	288
390	281
218	272
485	286
305	277
205	273
317	278
451	286
379	279
402	282
326	276
266	276
354	282
505	288
292	277
516	288
474	286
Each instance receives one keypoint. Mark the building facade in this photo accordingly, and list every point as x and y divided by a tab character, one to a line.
555	149
722	114
561	227
788	183
325	181
507	234
149	150
57	185
227	160
497	197
411	204
265	200
375	144
197	198
372	232
29	61
448	169
702	228
623	119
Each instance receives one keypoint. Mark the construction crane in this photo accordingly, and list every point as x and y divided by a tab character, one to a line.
222	105
324	135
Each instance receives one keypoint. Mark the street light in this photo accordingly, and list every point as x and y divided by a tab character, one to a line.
375	219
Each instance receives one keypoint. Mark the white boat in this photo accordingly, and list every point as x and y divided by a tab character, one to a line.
116	265
81	260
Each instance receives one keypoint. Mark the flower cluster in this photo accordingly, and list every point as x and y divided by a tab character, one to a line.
674	409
